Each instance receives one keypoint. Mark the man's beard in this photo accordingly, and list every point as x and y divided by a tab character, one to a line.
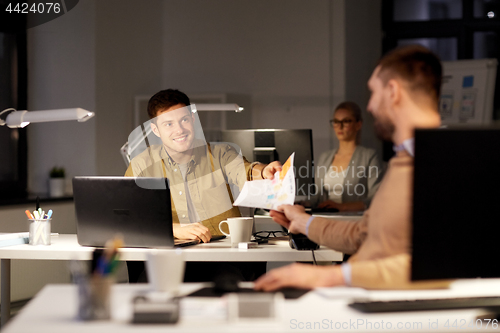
384	129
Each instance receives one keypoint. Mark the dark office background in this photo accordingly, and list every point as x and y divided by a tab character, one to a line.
453	29
13	94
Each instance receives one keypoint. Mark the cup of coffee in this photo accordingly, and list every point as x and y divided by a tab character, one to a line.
240	229
165	270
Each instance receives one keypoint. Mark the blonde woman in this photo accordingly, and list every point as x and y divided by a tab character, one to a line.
348	177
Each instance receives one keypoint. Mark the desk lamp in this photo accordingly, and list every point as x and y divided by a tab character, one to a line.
216	107
19	119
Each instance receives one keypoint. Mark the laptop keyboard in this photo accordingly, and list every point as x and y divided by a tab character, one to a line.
183	242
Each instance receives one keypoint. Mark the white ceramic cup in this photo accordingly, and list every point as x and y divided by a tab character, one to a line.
240	229
165	270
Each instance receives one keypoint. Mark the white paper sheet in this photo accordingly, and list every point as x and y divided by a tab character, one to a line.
269	194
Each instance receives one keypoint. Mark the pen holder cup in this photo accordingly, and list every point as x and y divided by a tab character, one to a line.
94	297
39	231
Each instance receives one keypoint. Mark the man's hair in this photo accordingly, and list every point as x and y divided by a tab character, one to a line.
416	65
165	99
352	107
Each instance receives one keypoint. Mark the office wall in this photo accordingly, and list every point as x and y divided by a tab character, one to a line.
128	63
363	56
288	55
277	52
98	56
61	61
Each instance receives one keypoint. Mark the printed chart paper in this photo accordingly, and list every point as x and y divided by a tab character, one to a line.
269	194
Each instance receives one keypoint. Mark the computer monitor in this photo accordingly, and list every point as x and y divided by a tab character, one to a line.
267	145
456	213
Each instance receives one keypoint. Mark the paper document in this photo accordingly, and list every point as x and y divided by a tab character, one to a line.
13	235
16	238
342	292
269	194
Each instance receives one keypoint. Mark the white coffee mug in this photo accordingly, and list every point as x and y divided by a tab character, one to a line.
165	270
240	229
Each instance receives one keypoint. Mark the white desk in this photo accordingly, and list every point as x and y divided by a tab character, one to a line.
66	247
54	310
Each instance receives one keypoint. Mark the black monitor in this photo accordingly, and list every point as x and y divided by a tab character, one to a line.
456	211
267	145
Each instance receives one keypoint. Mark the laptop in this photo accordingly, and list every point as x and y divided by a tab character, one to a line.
142	214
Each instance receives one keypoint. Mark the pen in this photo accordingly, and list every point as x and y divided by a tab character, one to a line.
35	213
29	214
49	214
37	202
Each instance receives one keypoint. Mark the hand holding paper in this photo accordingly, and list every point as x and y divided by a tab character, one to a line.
269	194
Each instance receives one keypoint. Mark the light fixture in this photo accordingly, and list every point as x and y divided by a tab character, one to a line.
217	107
16	119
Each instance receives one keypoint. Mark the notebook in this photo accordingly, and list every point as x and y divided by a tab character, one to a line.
106	206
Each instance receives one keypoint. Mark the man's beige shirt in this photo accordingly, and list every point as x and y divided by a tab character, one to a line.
209	172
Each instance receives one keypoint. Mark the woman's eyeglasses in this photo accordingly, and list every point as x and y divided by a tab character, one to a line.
341	123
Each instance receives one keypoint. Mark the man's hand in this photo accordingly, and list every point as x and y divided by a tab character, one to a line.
294	218
192	231
280	218
265	171
300	276
270	169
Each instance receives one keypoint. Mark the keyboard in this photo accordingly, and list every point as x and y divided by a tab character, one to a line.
322	210
426	304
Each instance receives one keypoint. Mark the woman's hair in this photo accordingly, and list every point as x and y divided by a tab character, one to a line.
351	107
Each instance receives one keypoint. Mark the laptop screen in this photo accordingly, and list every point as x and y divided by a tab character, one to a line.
106	206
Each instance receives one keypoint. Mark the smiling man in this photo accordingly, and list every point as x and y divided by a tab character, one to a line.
199	176
175	128
199	173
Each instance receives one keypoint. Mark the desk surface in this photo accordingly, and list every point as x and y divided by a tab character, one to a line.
66	247
54	310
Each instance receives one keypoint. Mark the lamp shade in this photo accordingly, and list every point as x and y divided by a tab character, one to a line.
23	118
218	107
